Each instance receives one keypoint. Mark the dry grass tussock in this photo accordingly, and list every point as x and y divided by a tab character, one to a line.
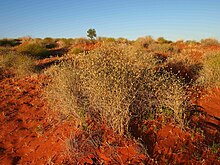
17	63
113	84
210	74
34	49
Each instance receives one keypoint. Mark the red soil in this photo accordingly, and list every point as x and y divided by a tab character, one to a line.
88	46
29	133
211	103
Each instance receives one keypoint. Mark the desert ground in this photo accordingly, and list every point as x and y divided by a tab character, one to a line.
49	117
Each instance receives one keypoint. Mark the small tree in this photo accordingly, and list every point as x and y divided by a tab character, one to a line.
91	33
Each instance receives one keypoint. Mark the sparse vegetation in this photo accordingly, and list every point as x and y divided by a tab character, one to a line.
209	42
162	40
35	50
10	42
163	48
119	101
144	41
76	50
19	64
210	74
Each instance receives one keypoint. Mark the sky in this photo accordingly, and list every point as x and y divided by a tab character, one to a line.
171	19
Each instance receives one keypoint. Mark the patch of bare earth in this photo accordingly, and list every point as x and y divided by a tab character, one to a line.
29	133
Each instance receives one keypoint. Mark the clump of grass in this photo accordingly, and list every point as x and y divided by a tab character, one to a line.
210	74
17	63
36	50
76	50
164	48
144	41
113	84
210	42
63	93
9	42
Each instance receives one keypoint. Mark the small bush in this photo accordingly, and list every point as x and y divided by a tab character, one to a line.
76	50
163	48
210	74
191	42
162	40
10	42
19	64
106	39
49	43
4	50
144	41
210	42
77	41
34	49
113	84
64	43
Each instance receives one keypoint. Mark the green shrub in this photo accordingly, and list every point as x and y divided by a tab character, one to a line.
210	74
49	43
10	42
34	49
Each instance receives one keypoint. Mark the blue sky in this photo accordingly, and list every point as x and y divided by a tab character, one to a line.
172	19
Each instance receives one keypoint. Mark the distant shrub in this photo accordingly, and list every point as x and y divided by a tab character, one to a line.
210	42
26	39
64	42
144	41
38	40
10	42
77	41
163	48
113	84
48	40
34	49
122	40
19	64
106	39
191	42
210	74
162	40
76	50
49	43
